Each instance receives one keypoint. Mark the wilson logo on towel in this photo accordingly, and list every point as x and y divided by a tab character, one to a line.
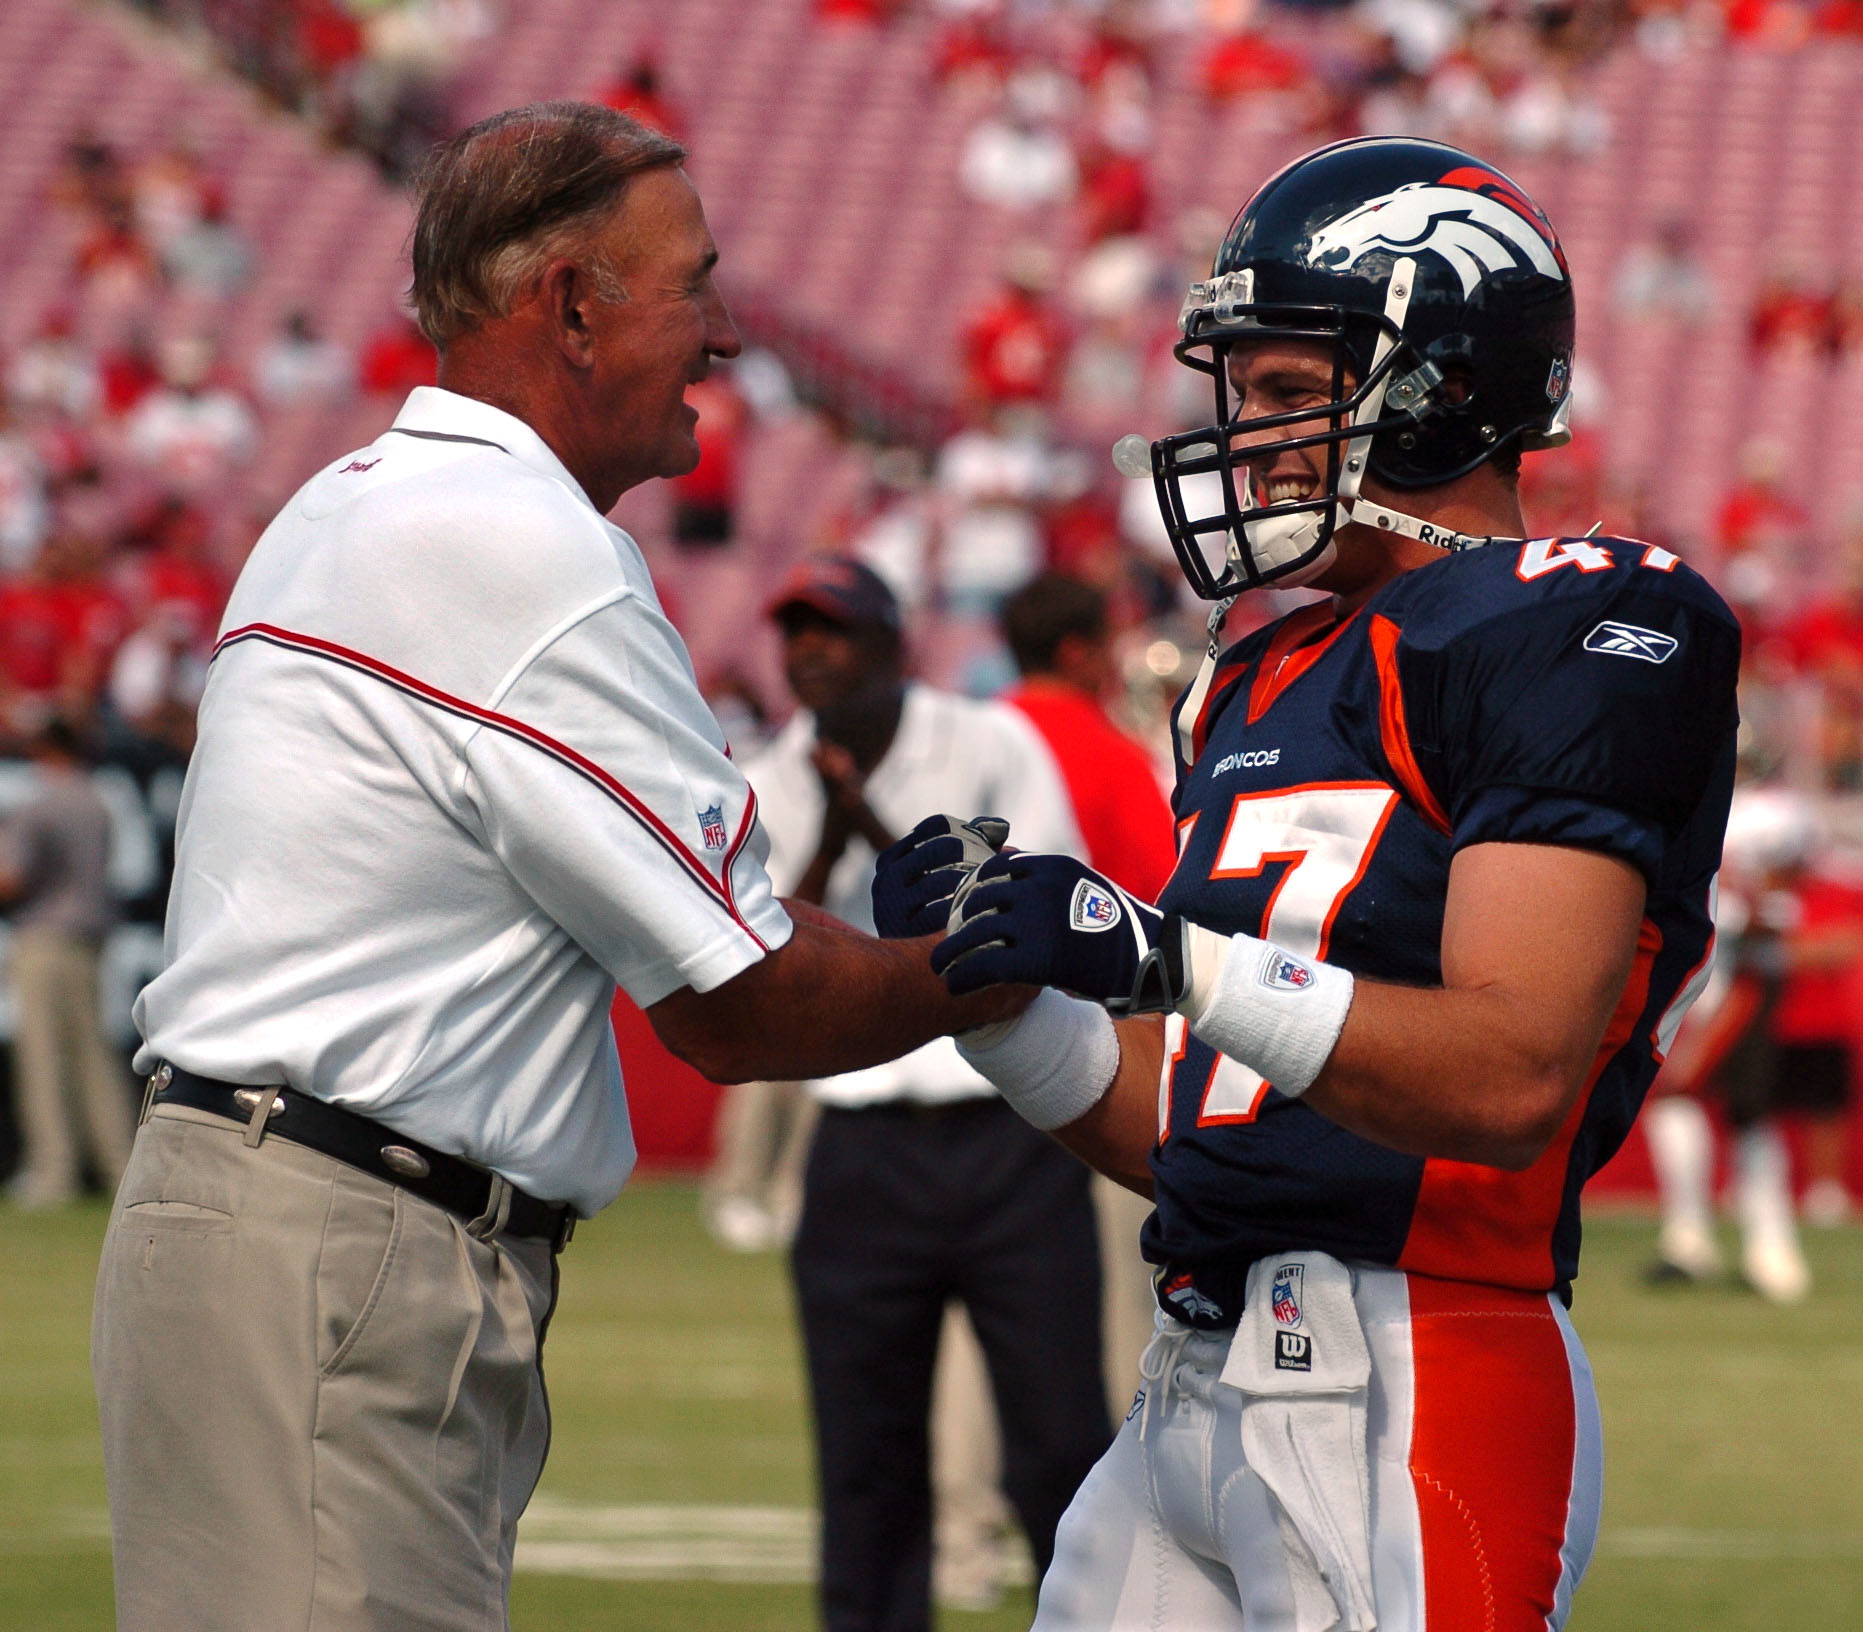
1293	1351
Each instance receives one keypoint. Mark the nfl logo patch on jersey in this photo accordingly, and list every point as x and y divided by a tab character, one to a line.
1284	1298
712	827
1093	908
1284	973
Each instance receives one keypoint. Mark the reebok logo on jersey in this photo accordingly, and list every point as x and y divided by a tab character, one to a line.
1247	761
1282	973
1092	908
712	827
1629	640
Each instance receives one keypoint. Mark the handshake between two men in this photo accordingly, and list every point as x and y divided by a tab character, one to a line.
1025	918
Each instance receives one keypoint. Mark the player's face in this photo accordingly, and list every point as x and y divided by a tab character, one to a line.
661	338
1280	377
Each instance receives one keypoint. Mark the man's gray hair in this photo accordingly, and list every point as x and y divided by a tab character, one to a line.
502	200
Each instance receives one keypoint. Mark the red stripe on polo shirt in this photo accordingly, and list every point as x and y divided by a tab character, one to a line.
562	752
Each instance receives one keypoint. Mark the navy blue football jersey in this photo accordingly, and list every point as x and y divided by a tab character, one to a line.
1573	692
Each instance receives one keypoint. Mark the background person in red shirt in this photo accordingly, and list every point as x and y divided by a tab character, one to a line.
1015	346
1058	633
1815	1029
59	626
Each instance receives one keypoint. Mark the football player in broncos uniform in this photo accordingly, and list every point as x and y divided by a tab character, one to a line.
1446	842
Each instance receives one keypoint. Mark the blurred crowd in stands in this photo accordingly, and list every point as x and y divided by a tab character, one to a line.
121	440
375	74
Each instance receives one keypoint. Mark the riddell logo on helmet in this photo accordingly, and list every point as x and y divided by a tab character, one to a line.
1446	538
1476	233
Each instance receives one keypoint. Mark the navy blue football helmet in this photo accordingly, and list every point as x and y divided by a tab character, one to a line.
1445	297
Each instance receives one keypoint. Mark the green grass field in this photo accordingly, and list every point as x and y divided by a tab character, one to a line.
676	1497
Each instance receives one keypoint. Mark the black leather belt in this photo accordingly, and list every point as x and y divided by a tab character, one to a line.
447	1181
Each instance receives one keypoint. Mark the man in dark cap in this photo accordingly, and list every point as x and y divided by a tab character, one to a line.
923	1188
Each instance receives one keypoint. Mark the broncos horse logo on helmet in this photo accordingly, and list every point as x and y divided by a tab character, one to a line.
1475	233
1444	295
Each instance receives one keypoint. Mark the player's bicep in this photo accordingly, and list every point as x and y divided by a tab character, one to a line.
1552	931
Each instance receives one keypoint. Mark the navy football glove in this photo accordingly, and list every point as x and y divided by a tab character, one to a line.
914	878
1043	920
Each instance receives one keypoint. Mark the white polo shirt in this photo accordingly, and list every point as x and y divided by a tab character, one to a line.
454	780
949	754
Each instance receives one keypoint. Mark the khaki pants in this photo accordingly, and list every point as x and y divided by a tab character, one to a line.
66	1070
322	1400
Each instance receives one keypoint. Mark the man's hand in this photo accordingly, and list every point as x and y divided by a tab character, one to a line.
915	879
845	813
1046	920
829	999
844	786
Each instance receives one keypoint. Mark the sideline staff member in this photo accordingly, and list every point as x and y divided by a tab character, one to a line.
453	781
923	1188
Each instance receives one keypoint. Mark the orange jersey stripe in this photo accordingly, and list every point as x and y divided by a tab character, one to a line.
1281	665
1392	728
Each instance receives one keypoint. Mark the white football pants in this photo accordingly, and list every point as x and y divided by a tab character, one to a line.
1486	1460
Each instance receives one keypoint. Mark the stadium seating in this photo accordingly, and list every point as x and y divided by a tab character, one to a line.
827	155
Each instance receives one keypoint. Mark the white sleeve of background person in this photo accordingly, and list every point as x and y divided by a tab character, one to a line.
790	802
1275	1012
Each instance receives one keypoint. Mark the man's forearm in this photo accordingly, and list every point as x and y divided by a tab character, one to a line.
1453	1074
1116	1137
831	999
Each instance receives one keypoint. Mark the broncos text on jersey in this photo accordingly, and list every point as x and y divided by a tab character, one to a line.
1562	691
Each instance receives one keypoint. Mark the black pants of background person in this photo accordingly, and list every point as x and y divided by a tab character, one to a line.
903	1209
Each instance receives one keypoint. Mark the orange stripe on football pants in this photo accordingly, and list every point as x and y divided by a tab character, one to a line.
1493	1438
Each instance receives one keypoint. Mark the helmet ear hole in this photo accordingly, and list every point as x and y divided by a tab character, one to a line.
1458	385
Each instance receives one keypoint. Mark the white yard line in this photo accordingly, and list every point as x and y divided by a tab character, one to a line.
1674	1541
675	1542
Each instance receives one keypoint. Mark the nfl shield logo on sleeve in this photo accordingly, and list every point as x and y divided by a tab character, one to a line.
712	827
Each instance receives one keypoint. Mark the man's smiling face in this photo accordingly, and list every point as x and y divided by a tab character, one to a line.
1275	376
662	335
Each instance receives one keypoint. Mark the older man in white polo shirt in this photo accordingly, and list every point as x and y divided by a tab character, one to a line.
453	782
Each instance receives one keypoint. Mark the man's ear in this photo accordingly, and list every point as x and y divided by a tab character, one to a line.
567	294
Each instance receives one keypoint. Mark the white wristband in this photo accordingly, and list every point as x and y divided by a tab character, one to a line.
1053	1062
1276	1013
